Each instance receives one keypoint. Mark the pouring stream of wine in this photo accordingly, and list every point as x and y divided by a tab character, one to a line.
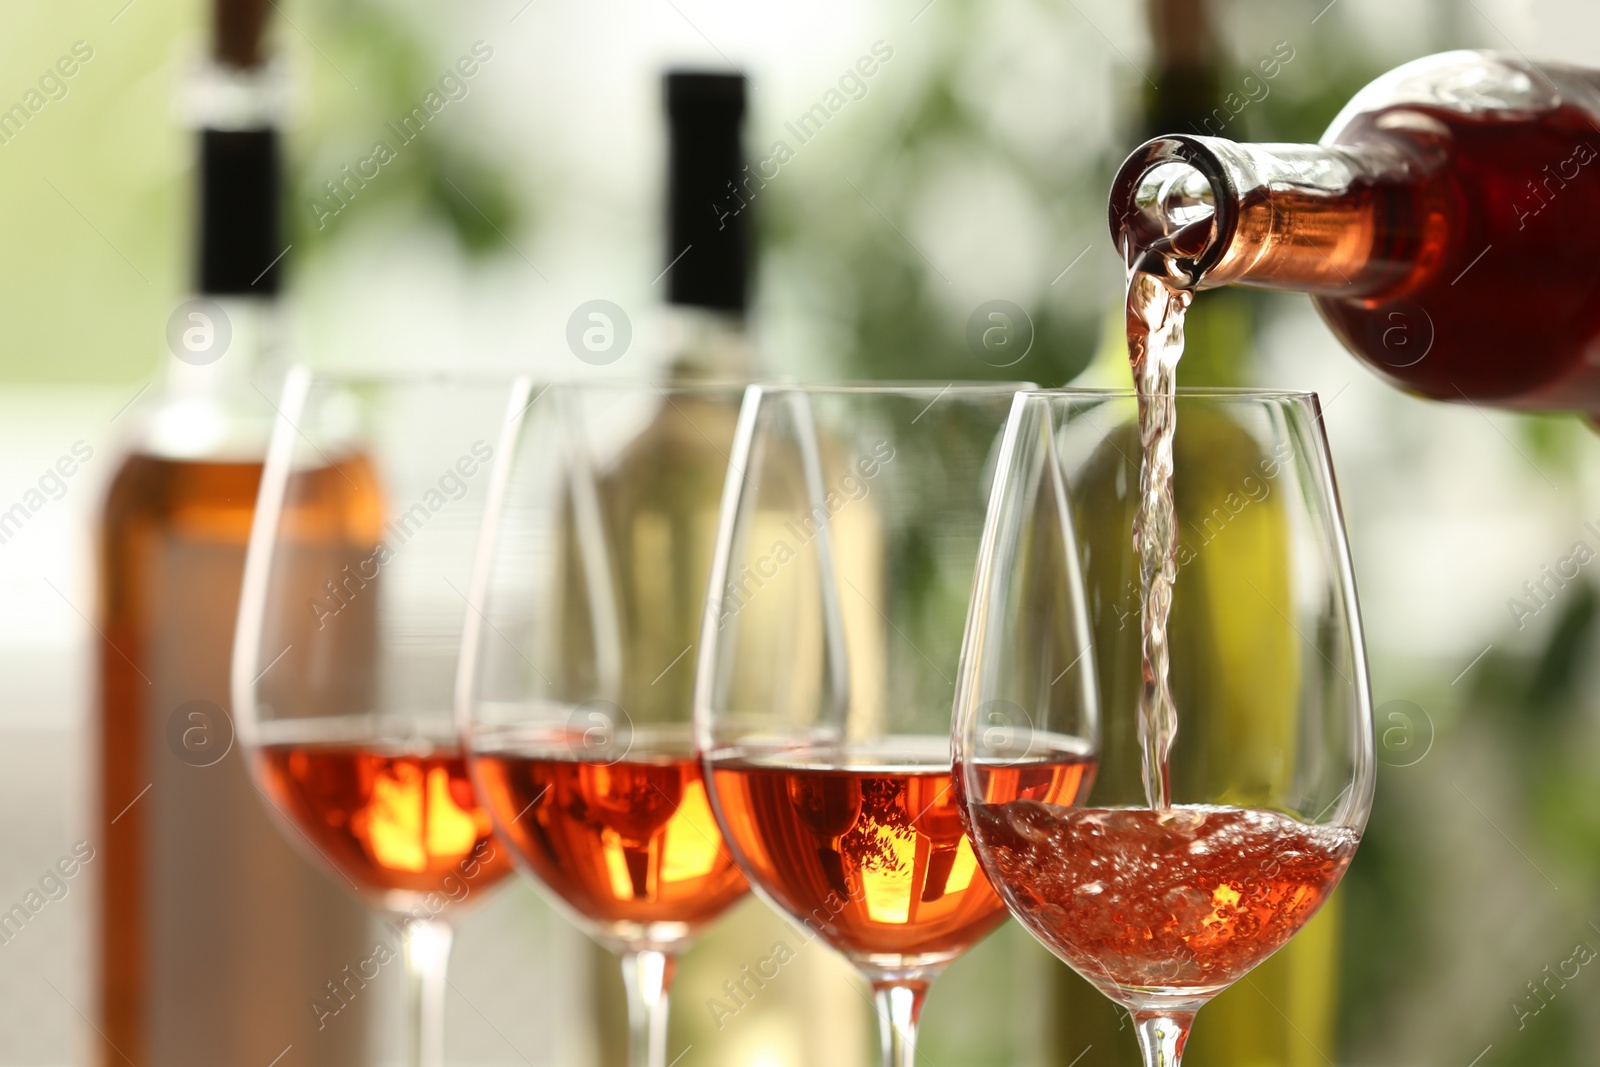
1155	313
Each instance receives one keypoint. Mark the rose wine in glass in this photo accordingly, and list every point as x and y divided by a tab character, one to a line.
1190	861
1185	902
630	845
400	821
576	679
869	850
345	651
849	530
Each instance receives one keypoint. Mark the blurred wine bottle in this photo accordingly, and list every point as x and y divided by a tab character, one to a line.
662	563
214	936
1282	1014
681	454
663	566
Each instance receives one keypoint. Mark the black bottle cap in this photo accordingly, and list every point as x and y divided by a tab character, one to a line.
239	186
708	213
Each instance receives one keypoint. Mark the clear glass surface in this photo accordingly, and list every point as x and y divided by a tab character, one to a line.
346	650
1272	766
577	677
827	664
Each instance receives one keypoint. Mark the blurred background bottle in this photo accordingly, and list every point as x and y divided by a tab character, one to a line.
214	936
682	453
710	192
1282	1015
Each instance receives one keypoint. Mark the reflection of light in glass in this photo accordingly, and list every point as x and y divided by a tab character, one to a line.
411	822
888	883
962	870
452	833
692	840
393	819
768	1042
616	865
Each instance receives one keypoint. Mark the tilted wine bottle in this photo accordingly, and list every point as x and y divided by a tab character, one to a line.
1441	226
1284	1016
214	937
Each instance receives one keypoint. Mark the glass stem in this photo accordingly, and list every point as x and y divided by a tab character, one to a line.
1162	1036
648	977
899	1006
427	954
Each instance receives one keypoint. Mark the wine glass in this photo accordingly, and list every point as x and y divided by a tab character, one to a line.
828	656
1271	768
345	656
576	677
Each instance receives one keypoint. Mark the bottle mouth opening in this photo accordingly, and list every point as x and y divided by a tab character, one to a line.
1172	209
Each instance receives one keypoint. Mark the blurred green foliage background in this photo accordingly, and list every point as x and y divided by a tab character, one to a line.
974	168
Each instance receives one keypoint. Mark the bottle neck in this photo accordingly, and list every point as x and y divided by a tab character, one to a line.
1331	220
222	371
708	344
219	382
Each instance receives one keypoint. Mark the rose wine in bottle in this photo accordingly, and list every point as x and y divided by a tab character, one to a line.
1439	226
214	936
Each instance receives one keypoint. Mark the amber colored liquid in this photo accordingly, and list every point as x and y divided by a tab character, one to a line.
1518	326
1182	902
199	896
399	825
874	858
631	846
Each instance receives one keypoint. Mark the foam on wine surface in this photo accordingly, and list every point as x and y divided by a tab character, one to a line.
1181	902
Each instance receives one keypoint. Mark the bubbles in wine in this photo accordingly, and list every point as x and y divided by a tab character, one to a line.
1183	900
